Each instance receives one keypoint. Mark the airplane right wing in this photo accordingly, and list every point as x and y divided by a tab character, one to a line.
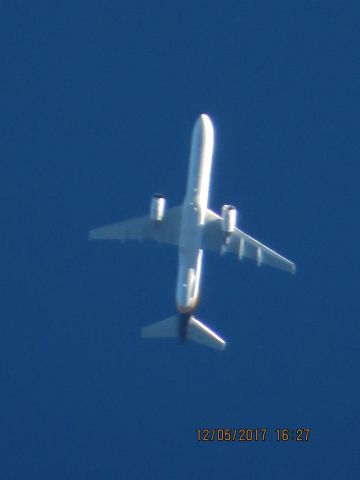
241	244
143	228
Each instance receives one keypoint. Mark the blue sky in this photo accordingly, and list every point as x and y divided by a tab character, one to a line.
98	100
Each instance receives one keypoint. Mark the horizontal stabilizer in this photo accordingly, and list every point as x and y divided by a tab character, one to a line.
164	328
198	332
185	327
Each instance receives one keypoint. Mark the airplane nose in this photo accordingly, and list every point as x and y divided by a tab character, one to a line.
204	120
203	127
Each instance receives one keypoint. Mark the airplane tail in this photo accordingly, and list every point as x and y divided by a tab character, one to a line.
185	327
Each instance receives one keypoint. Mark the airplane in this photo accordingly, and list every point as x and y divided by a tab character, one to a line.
193	228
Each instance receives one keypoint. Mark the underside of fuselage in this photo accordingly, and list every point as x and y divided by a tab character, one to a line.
193	214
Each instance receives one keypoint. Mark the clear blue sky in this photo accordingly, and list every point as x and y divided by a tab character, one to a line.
98	100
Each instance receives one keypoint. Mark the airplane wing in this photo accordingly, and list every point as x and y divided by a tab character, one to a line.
241	244
143	228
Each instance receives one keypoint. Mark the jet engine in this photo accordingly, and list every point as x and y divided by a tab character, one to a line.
157	207
228	214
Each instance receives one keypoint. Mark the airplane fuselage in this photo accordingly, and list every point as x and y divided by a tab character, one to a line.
193	215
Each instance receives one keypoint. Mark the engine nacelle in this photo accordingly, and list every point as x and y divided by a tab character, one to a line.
228	214
157	207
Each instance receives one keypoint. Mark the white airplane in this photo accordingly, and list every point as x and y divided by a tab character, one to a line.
193	227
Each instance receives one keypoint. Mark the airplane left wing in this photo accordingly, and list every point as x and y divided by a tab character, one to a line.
143	228
241	244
